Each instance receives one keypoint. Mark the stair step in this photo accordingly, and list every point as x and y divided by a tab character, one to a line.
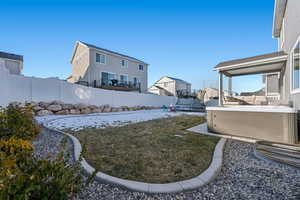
279	158
289	154
280	151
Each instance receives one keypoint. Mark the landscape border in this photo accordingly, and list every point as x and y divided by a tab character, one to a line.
209	174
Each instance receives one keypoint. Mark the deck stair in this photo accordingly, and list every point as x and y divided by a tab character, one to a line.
284	153
190	104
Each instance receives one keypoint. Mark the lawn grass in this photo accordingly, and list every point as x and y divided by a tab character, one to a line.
149	151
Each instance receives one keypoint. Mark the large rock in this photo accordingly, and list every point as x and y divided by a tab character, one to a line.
85	111
80	106
37	108
107	109
31	103
44	112
44	104
54	107
57	103
97	110
67	106
63	112
74	111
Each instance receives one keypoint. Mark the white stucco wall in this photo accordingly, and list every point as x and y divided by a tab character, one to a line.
21	88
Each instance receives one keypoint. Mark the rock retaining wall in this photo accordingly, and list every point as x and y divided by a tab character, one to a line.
61	108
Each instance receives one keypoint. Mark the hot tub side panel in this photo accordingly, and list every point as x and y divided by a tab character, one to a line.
277	127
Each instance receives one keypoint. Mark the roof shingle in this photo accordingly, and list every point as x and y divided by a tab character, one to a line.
11	56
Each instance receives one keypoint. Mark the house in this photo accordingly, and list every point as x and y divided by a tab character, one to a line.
276	119
169	86
12	62
98	67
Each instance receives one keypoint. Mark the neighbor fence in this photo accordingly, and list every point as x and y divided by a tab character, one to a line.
22	88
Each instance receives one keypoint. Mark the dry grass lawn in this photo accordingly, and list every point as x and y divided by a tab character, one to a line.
156	151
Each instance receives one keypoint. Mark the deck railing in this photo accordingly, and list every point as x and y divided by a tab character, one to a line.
113	84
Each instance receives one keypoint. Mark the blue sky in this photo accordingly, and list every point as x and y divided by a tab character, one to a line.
184	39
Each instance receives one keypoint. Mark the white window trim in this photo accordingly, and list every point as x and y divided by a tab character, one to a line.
100	58
126	63
292	90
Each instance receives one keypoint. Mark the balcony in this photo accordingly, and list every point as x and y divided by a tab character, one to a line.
114	84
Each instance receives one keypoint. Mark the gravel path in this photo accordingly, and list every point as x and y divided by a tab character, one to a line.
243	176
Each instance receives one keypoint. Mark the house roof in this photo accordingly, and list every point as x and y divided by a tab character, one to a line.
112	52
160	88
11	56
279	12
253	65
177	79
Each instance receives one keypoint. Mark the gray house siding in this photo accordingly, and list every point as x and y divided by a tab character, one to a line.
113	65
289	36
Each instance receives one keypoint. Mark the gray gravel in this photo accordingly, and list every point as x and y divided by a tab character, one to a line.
243	176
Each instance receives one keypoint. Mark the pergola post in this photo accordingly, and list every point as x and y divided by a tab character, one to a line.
220	89
230	85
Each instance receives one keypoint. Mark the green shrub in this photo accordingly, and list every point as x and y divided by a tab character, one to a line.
17	122
23	176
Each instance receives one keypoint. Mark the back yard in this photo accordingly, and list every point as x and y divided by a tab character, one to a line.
155	151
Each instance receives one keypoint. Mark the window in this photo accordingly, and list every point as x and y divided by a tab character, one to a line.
165	84
100	58
124	63
124	79
107	78
296	66
136	82
141	67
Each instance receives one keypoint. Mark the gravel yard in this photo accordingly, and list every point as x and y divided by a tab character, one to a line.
101	120
243	176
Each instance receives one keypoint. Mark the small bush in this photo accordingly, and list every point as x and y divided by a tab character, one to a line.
17	122
23	176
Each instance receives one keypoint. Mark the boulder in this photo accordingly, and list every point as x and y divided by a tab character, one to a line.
31	103
63	112
67	106
74	112
37	108
92	107
54	107
97	110
80	106
85	111
106	106
44	104
44	112
114	109
57	103
107	109
125	108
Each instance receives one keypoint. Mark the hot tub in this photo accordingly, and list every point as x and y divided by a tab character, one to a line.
271	123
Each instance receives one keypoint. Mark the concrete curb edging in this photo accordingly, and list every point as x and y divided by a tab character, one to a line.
210	173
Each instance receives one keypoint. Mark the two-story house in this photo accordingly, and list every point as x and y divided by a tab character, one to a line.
169	86
98	67
12	62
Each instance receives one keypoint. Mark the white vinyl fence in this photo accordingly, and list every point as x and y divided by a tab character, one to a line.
22	88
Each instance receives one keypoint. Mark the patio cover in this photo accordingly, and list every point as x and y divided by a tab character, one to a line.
267	63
